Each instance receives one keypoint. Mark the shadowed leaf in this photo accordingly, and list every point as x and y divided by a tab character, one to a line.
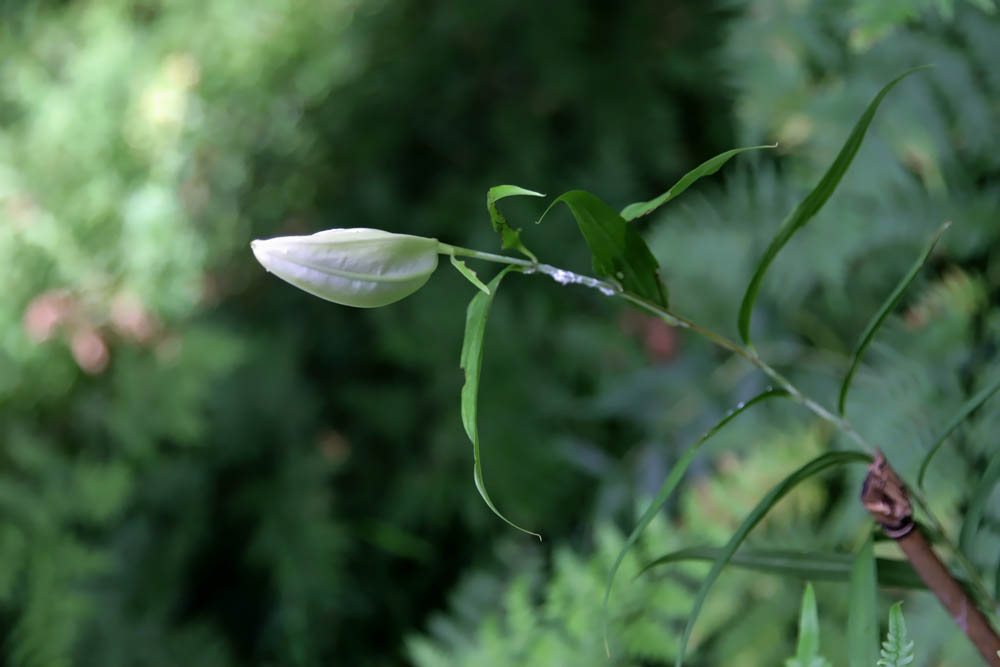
811	205
472	362
620	254
977	503
808	565
706	168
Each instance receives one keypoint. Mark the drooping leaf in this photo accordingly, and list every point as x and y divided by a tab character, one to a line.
510	238
897	649
620	254
706	168
807	565
811	205
882	313
469	274
668	486
963	413
807	650
813	467
472	363
977	503
862	621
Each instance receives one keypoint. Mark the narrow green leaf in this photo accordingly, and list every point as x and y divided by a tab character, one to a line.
808	565
807	650
814	467
472	362
469	274
668	486
977	503
963	413
706	168
510	238
862	622
811	205
619	252
897	649
883	312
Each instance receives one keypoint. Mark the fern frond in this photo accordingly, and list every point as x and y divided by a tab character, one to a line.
897	651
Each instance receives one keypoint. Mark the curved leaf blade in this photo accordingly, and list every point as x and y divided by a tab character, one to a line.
619	252
706	168
811	205
807	565
472	363
510	238
883	312
667	488
977	503
963	413
862	623
469	274
813	467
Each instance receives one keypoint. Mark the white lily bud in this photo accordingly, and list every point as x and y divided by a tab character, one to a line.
360	267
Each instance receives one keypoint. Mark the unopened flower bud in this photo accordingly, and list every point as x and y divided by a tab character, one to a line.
364	268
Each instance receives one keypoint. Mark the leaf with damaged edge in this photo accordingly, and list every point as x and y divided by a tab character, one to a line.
469	274
620	254
510	238
472	362
811	205
706	168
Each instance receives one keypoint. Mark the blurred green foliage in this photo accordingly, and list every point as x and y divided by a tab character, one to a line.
201	465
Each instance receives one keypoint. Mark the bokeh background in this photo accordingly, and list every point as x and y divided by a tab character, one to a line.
200	465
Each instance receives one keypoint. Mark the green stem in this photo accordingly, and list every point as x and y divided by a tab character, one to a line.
749	354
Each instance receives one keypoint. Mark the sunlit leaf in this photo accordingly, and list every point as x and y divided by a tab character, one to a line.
472	362
469	274
807	649
620	254
897	649
808	565
668	486
862	621
977	502
509	236
811	205
963	413
706	168
810	469
882	313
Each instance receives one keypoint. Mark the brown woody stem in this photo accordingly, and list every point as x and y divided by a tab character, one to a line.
885	497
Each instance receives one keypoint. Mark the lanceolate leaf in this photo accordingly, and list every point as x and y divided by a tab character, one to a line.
883	312
977	503
706	168
472	362
668	486
808	565
862	621
811	205
814	467
807	650
620	253
963	413
509	236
